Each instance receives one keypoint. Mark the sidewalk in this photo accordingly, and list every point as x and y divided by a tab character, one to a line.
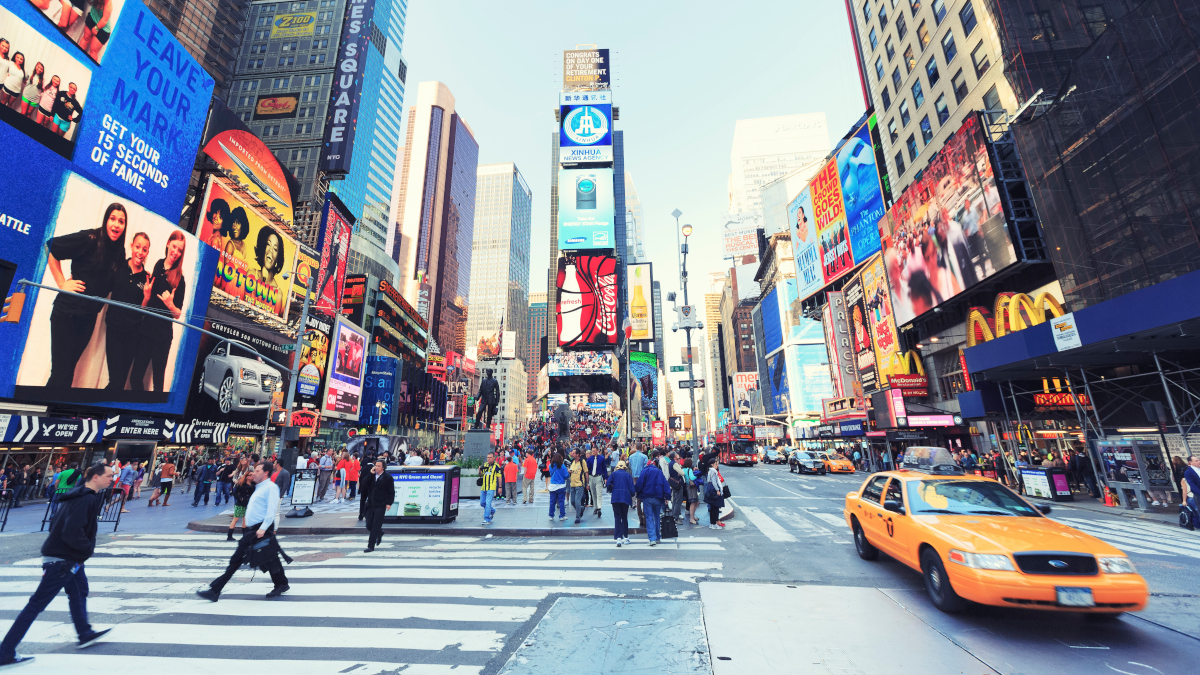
1084	502
140	519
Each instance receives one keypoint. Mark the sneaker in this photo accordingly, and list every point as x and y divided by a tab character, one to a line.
654	543
209	594
627	540
91	638
17	660
619	542
278	591
1153	503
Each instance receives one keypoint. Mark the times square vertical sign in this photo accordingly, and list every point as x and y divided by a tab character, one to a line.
346	95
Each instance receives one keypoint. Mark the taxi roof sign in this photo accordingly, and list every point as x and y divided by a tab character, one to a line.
927	459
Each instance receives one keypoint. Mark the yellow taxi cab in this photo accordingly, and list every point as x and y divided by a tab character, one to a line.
835	463
973	539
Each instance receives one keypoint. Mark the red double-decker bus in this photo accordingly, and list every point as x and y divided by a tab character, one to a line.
735	445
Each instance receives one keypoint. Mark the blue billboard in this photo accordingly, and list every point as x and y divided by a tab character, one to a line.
810	381
585	209
643	366
585	127
772	327
379	389
778	379
861	192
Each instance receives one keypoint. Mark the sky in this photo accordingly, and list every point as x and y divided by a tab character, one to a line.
682	74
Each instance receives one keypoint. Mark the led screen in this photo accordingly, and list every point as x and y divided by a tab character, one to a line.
343	383
585	209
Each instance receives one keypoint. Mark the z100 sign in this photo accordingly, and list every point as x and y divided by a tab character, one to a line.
587	301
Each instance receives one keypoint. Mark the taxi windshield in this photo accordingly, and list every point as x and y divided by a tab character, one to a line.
965	498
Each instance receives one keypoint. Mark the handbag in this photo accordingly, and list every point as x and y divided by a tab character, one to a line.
725	492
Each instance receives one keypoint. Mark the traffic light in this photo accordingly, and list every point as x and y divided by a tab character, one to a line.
12	308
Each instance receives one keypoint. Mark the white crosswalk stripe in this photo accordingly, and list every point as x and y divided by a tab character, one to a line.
1139	537
426	605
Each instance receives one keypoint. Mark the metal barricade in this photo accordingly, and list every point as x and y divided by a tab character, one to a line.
6	500
112	503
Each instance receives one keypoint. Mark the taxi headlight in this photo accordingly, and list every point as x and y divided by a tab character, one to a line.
1120	565
981	561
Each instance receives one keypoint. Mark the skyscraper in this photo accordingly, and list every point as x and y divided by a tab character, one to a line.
656	291
530	349
433	214
210	31
499	289
769	147
293	71
635	227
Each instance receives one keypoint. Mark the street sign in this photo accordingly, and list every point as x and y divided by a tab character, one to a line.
691	384
288	347
678	369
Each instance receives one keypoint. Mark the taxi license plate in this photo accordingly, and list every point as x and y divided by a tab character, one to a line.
1075	597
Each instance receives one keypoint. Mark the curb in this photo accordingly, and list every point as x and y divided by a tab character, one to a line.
1120	512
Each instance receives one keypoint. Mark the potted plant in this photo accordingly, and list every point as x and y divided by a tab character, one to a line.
469	472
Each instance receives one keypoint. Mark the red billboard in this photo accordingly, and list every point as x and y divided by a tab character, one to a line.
658	433
587	301
337	225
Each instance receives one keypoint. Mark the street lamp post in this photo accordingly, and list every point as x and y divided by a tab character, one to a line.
687	232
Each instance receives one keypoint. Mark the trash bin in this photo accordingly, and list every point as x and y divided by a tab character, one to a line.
424	494
1046	482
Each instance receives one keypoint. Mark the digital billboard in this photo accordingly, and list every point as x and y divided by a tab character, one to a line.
343	382
809	278
778	379
877	302
861	192
640	291
104	246
379	388
587	301
585	127
399	329
809	377
743	384
40	69
334	239
585	209
947	231
91	30
562	364
643	367
314	361
772	328
354	298
585	69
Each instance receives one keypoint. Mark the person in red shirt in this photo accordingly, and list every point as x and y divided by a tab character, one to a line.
352	470
510	481
529	473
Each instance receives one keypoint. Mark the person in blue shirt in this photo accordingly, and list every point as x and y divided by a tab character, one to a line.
652	492
559	477
597	469
637	464
622	496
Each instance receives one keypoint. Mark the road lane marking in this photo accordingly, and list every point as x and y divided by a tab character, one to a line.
773	530
157	665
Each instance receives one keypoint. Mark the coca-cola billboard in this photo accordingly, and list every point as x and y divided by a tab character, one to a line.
587	300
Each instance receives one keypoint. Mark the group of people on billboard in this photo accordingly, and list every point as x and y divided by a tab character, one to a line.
38	79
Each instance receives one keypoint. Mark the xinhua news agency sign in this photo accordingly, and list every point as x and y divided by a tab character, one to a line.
347	87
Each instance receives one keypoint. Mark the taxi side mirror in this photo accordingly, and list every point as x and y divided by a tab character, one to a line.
894	506
1044	508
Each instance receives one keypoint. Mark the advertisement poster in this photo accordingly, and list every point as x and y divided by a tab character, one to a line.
643	367
562	364
640	292
232	383
334	240
487	345
62	70
585	131
343	382
947	231
833	236
256	168
861	192
300	24
777	374
877	301
585	209
809	278
276	106
1036	484
418	494
862	349
587	301
314	360
379	388
102	245
741	241
743	385
253	254
658	432
585	69
84	28
307	261
508	347
809	364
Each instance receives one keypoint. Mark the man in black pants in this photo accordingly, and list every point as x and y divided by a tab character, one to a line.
366	480
260	516
383	493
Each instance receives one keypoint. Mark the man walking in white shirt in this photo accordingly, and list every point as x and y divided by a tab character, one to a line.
260	519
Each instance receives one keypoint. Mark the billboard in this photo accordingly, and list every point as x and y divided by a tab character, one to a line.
837	342
254	170
299	24
343	382
585	69
101	245
399	329
743	384
38	91
862	351
585	127
861	192
829	214
346	94
809	377
643	367
809	278
334	240
307	261
379	387
741	241
276	106
496	344
354	297
778	378
562	364
314	361
877	303
585	209
947	231
91	31
587	301
640	296
254	254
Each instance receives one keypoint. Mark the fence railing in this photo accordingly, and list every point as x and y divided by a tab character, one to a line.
6	500
113	500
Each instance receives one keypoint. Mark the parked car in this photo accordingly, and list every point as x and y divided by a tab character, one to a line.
774	456
803	461
238	379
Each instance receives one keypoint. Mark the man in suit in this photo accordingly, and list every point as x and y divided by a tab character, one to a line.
383	493
366	480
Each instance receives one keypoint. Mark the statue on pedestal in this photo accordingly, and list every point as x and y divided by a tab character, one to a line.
486	401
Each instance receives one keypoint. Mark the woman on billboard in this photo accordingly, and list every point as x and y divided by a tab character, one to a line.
122	327
164	294
95	257
268	253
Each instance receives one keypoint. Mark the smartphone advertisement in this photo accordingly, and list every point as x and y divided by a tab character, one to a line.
343	383
585	209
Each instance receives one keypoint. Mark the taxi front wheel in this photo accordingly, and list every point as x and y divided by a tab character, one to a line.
937	583
865	550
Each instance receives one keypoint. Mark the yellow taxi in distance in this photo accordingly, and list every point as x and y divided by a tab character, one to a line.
973	539
834	463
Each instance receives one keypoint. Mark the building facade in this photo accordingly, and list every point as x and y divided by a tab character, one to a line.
530	349
635	226
768	148
211	32
659	337
510	374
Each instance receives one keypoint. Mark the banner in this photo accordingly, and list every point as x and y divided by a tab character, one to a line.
837	342
743	384
350	71
343	382
337	224
300	24
587	301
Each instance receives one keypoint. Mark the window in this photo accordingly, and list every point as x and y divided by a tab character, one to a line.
931	70
258	49
1094	19
874	490
979	59
261	34
299	154
287	60
307	112
270	131
280	82
249	85
910	61
939	11
299	171
914	6
245	117
874	38
901	26
887	98
1041	27
316	58
890	47
896	79
912	148
966	15
926	130
867	12
879	68
923	35
323	30
892	134
254	64
959	84
320	44
904	117
313	81
899	162
943	112
304	128
882	16
949	49
918	95
288	47
991	101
